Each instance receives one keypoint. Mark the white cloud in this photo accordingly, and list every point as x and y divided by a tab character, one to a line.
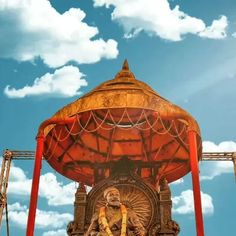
55	192
216	30
60	232
157	18
211	169
215	168
184	204
16	207
16	174
234	35
179	181
19	184
52	219
64	82
36	29
44	219
226	146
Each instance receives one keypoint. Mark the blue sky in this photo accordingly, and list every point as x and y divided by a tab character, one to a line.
51	52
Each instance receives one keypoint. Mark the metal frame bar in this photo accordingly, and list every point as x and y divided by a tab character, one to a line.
30	155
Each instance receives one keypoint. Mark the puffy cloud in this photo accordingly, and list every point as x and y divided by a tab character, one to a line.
226	146
209	170
157	18
55	192
17	174
19	184
18	215
16	207
179	181
184	204
52	219
36	29
234	35
60	232
212	169
216	30
64	82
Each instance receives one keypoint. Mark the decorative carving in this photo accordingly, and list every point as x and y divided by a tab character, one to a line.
166	226
154	229
165	202
71	228
152	207
169	229
135	194
173	225
114	218
76	227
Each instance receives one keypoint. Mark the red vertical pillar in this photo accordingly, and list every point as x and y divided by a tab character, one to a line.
196	183
35	186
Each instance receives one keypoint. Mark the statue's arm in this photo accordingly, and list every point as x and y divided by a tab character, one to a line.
93	229
135	224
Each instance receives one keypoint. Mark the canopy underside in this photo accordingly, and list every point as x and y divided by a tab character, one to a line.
87	149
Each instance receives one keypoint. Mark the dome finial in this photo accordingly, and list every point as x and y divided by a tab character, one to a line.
125	65
125	73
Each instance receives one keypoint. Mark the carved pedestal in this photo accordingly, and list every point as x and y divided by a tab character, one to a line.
168	227
76	227
151	206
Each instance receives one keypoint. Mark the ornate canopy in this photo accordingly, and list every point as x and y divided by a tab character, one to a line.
122	118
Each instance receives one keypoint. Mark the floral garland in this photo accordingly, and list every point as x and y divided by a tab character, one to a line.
104	223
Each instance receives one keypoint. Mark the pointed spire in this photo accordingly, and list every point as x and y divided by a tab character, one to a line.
125	73
125	65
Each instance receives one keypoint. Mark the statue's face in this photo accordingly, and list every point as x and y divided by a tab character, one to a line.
113	198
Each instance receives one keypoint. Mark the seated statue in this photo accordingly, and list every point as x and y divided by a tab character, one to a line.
115	219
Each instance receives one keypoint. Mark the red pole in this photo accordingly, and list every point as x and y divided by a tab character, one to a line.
37	168
35	186
196	183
